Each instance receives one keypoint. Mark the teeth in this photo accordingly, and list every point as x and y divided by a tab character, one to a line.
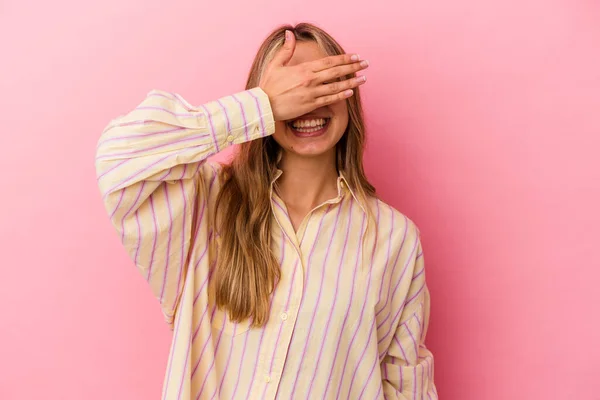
319	122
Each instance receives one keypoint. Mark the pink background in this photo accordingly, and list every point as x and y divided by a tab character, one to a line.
484	127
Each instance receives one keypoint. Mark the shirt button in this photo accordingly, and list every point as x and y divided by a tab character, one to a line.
284	316
267	379
230	138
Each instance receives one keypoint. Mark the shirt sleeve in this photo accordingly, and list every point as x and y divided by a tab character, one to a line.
407	369
153	177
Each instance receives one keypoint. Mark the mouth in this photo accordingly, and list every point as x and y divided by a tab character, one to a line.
304	127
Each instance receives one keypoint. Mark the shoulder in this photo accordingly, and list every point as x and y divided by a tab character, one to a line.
211	173
393	227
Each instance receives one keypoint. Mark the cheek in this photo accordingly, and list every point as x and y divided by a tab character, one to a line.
280	136
340	110
280	128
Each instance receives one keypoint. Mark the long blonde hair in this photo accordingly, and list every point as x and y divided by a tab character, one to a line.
247	271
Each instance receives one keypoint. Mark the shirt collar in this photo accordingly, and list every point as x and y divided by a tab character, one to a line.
342	185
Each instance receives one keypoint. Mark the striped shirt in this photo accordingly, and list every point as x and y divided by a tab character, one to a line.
349	315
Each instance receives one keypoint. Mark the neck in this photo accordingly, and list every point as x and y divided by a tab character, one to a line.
307	181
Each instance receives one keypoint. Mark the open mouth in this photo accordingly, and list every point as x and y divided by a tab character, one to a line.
309	127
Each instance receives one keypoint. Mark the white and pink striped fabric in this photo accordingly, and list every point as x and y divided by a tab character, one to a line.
349	315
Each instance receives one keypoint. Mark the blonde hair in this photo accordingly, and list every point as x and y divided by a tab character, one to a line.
247	271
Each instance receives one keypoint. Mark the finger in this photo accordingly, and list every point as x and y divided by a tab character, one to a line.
286	52
332	61
333	98
340	71
340	86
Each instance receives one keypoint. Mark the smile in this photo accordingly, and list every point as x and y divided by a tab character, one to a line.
309	127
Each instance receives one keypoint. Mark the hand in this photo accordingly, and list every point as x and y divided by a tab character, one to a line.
296	90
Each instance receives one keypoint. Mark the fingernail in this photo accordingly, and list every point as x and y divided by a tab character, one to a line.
364	63
355	57
348	93
362	78
288	35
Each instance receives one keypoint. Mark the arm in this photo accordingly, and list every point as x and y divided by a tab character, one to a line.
154	180
151	162
407	369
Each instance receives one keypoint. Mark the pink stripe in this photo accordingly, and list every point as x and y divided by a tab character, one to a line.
337	348
384	320
262	334
212	128
172	96
139	239
147	167
379	390
414	296
237	382
421	327
180	100
112	214
361	358
422	379
404	358
418	274
118	185
150	264
314	312
335	297
208	339
212	364
204	205
401	388
227	120
158	146
359	325
226	364
165	175
393	269
415	376
305	229
155	94
167	111
168	253
243	117
412	338
260	114
368	380
182	257
129	211
395	290
139	135
201	290
312	251
287	304
110	169
130	123
283	210
187	354
426	360
197	330
175	339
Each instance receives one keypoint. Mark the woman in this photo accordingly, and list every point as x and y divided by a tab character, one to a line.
282	275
